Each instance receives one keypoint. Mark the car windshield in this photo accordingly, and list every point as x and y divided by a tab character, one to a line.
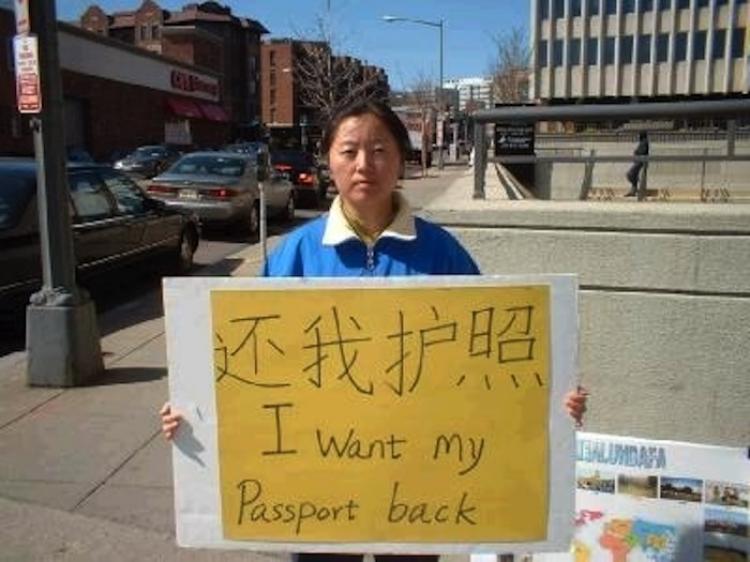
210	165
246	148
146	152
14	196
293	157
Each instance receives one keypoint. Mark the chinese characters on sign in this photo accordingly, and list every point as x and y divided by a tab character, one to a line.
383	415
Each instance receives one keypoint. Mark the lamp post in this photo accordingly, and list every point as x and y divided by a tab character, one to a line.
439	25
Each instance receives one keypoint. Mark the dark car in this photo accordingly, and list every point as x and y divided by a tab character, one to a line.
114	225
304	173
147	161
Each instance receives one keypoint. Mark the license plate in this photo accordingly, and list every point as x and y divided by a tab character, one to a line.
188	194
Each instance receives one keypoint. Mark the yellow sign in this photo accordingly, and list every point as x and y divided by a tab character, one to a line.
383	414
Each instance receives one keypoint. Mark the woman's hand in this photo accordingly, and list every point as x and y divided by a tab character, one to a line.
170	421
575	404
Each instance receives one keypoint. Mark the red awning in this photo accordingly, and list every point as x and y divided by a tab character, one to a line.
184	108
214	112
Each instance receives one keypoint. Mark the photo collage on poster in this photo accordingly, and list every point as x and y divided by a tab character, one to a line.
641	500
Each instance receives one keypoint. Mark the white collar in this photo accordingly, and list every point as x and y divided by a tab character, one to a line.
338	229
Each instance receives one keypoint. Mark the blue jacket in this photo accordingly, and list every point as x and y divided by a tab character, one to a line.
427	250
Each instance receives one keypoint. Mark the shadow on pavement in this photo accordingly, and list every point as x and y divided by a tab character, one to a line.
126	375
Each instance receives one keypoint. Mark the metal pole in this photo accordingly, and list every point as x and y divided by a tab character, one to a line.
480	160
263	219
62	337
440	102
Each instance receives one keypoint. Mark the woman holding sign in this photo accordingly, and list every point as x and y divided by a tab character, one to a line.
369	231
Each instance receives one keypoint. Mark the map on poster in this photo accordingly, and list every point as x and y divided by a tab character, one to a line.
658	501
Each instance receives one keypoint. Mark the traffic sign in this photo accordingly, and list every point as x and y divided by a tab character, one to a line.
23	24
28	85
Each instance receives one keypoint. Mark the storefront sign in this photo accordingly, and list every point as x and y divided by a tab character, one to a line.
187	82
28	86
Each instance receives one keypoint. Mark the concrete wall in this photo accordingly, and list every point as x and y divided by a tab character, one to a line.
562	181
664	305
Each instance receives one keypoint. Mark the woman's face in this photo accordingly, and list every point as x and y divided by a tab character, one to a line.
365	162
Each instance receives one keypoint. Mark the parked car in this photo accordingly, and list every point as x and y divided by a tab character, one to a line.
304	174
78	154
114	225
147	161
222	188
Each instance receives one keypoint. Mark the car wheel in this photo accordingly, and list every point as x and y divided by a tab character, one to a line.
253	220
290	208
184	258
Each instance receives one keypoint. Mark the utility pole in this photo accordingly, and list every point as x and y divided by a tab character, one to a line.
62	337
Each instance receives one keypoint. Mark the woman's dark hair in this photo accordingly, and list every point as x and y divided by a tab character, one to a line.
368	107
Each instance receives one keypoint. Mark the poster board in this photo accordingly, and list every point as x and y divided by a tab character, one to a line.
642	500
386	415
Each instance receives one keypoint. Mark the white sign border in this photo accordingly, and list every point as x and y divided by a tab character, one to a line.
195	454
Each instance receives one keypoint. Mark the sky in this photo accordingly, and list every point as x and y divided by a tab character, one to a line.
407	51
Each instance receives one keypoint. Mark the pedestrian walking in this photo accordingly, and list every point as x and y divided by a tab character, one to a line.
633	174
370	230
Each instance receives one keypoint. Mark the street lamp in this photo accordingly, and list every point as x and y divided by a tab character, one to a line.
439	25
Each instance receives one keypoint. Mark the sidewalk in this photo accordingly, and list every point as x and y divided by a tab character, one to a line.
85	474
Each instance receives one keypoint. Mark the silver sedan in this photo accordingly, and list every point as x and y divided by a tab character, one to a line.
223	187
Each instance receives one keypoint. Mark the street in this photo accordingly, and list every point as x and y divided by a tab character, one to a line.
116	297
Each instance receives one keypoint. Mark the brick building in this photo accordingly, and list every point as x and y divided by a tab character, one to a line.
205	35
117	96
290	115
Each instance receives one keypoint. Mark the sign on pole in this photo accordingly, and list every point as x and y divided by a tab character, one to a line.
28	86
23	24
384	415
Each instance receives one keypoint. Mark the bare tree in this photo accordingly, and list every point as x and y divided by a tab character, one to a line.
327	80
510	70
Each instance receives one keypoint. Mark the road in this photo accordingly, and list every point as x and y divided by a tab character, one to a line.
128	287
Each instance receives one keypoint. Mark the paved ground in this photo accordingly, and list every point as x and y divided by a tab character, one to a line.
85	474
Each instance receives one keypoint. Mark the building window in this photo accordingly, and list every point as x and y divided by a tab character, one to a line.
647	6
273	116
558	8
574	52
592	50
575	8
557	52
142	29
644	49
610	7
541	56
662	47
721	3
272	77
544	9
680	46
703	3
720	37
628	6
665	4
626	49
609	50
738	42
154	31
683	4
273	96
272	58
699	45
593	7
